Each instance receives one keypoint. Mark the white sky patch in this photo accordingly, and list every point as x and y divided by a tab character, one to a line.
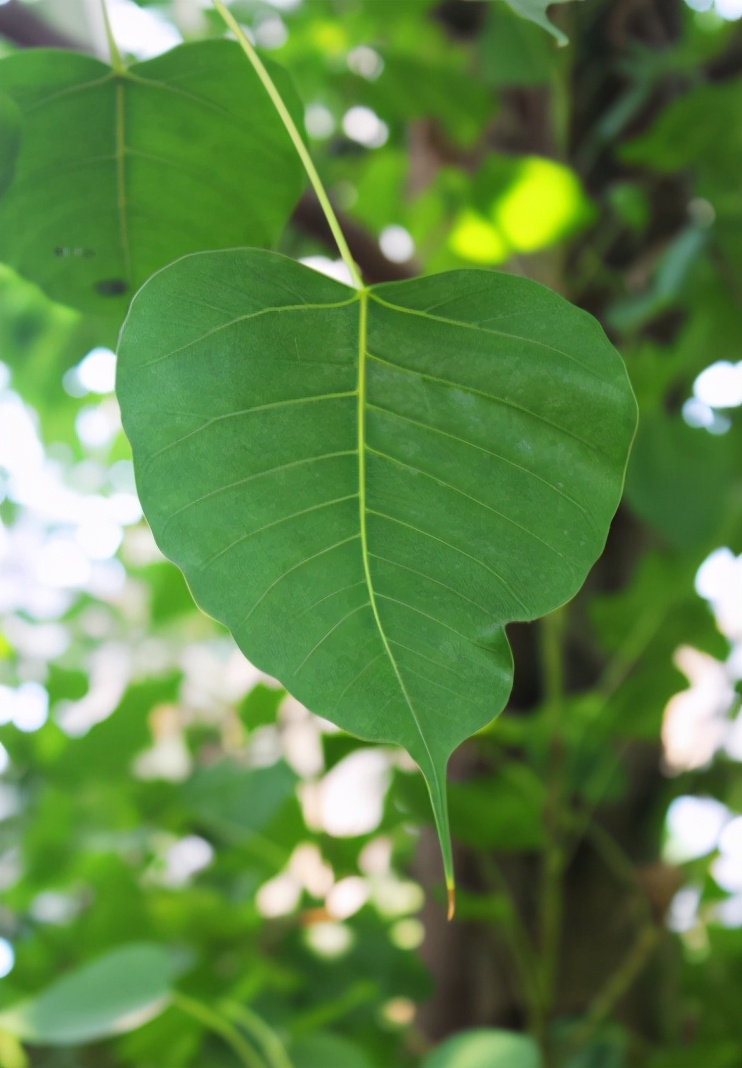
695	721
308	868
396	243
21	451
278	897
96	372
142	32
329	940
332	268
351	795
727	867
185	858
319	122
694	825
7	958
700	415
26	707
284	5
719	581
62	564
363	125
347	896
97	426
271	32
683	913
720	385
365	62
731	10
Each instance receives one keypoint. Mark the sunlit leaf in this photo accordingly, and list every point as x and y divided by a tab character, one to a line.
179	153
518	205
366	486
114	994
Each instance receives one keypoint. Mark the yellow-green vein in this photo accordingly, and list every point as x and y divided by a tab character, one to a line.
121	180
437	792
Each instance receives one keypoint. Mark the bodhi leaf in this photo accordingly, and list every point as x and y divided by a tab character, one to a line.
179	153
366	486
535	11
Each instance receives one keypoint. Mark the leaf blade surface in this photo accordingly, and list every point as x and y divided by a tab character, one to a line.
376	481
142	174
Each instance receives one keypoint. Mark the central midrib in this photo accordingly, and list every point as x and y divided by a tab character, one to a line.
362	334
121	180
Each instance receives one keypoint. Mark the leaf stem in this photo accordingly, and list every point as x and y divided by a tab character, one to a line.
263	1035
296	139
116	61
552	891
521	948
216	1023
617	984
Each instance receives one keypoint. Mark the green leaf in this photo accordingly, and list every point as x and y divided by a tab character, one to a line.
535	11
260	705
238	802
114	994
367	486
179	153
674	463
10	137
322	1050
485	1049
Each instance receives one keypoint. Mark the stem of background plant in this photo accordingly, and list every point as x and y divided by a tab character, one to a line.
263	1035
521	948
296	139
552	674
617	985
216	1023
116	61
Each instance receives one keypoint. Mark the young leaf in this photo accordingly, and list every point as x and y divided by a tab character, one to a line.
179	153
366	486
116	993
535	11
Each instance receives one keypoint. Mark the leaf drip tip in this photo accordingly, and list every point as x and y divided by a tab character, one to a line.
451	901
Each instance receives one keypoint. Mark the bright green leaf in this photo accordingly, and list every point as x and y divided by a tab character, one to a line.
485	1049
518	205
535	11
366	486
114	994
179	153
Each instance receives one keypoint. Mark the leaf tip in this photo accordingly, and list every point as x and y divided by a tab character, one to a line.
451	900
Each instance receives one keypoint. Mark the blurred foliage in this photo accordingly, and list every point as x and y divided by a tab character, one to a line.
158	796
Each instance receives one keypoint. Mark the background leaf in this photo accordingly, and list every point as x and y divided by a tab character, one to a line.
535	11
114	994
327	1051
179	153
485	1049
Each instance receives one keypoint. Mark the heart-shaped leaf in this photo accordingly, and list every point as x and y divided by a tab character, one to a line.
365	486
179	153
114	994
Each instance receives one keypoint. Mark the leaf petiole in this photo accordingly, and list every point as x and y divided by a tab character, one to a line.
296	139
116	61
